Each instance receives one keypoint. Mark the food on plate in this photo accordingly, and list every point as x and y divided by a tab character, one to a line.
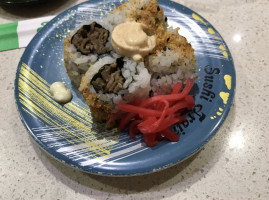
60	93
91	39
129	39
132	60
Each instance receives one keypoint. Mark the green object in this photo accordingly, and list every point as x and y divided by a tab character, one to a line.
42	24
9	36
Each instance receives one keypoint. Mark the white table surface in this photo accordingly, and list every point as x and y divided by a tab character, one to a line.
233	165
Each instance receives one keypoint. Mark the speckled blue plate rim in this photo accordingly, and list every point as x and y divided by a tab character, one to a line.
117	173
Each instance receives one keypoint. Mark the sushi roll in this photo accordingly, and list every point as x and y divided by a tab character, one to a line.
111	80
130	54
83	47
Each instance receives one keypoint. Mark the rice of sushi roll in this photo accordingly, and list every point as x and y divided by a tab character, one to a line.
105	77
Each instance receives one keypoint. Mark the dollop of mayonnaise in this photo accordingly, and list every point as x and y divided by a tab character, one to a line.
129	39
60	93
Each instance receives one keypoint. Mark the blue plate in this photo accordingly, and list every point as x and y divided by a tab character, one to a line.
68	132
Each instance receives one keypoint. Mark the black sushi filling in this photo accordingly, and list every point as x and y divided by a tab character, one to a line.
91	39
109	79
